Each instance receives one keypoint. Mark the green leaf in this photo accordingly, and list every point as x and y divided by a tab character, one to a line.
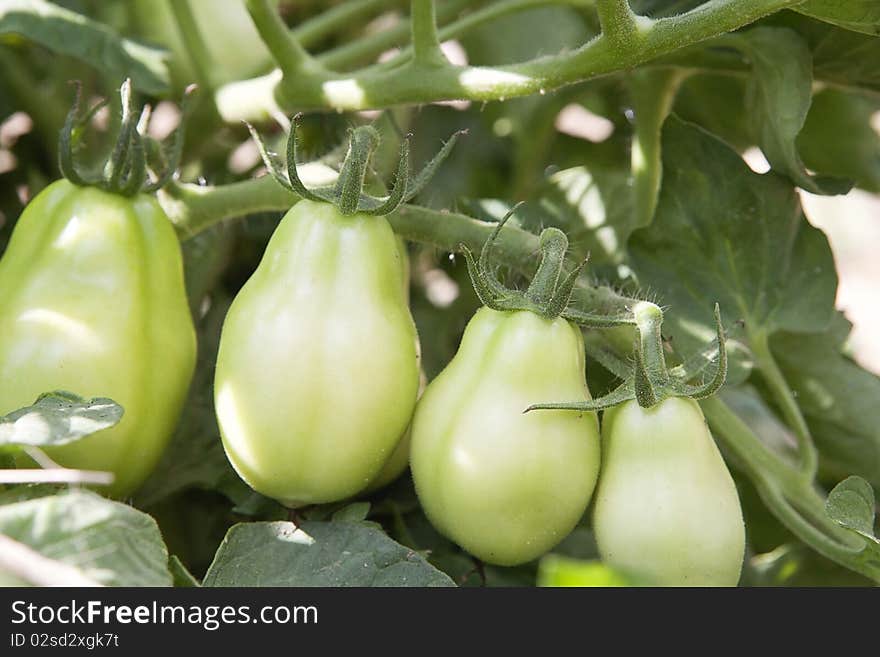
554	570
182	577
780	89
840	57
717	104
838	399
724	233
65	32
56	418
317	554
838	138
592	202
355	512
858	15
105	541
851	505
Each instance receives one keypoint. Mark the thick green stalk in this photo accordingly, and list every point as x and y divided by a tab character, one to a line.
766	363
407	84
292	58
425	42
193	41
785	491
619	23
194	208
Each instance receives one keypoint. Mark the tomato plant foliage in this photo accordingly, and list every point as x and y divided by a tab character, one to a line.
624	126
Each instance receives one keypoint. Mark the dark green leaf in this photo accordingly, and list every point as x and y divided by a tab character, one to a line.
57	418
781	89
857	15
838	138
724	233
317	554
840	57
67	33
718	104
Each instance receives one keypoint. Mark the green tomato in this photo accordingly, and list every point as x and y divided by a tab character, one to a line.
399	459
318	367
92	300
666	507
394	466
505	485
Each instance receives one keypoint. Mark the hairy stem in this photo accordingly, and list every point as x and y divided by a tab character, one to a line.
194	208
426	43
195	45
290	56
617	20
403	85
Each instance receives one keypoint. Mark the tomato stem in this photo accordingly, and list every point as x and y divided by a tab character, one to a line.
766	363
784	490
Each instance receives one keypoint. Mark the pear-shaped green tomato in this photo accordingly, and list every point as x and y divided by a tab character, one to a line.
318	366
506	485
666	507
92	300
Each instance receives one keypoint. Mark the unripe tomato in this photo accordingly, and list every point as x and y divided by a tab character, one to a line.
399	459
318	366
505	485
666	507
92	300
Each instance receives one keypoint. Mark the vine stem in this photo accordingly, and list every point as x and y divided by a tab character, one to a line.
373	89
292	58
194	208
195	44
426	43
785	490
617	20
809	458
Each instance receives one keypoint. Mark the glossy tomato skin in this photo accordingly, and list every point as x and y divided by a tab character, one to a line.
666	506
318	366
92	300
505	485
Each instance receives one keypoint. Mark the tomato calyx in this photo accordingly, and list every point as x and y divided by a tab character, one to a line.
126	169
347	194
649	381
549	293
